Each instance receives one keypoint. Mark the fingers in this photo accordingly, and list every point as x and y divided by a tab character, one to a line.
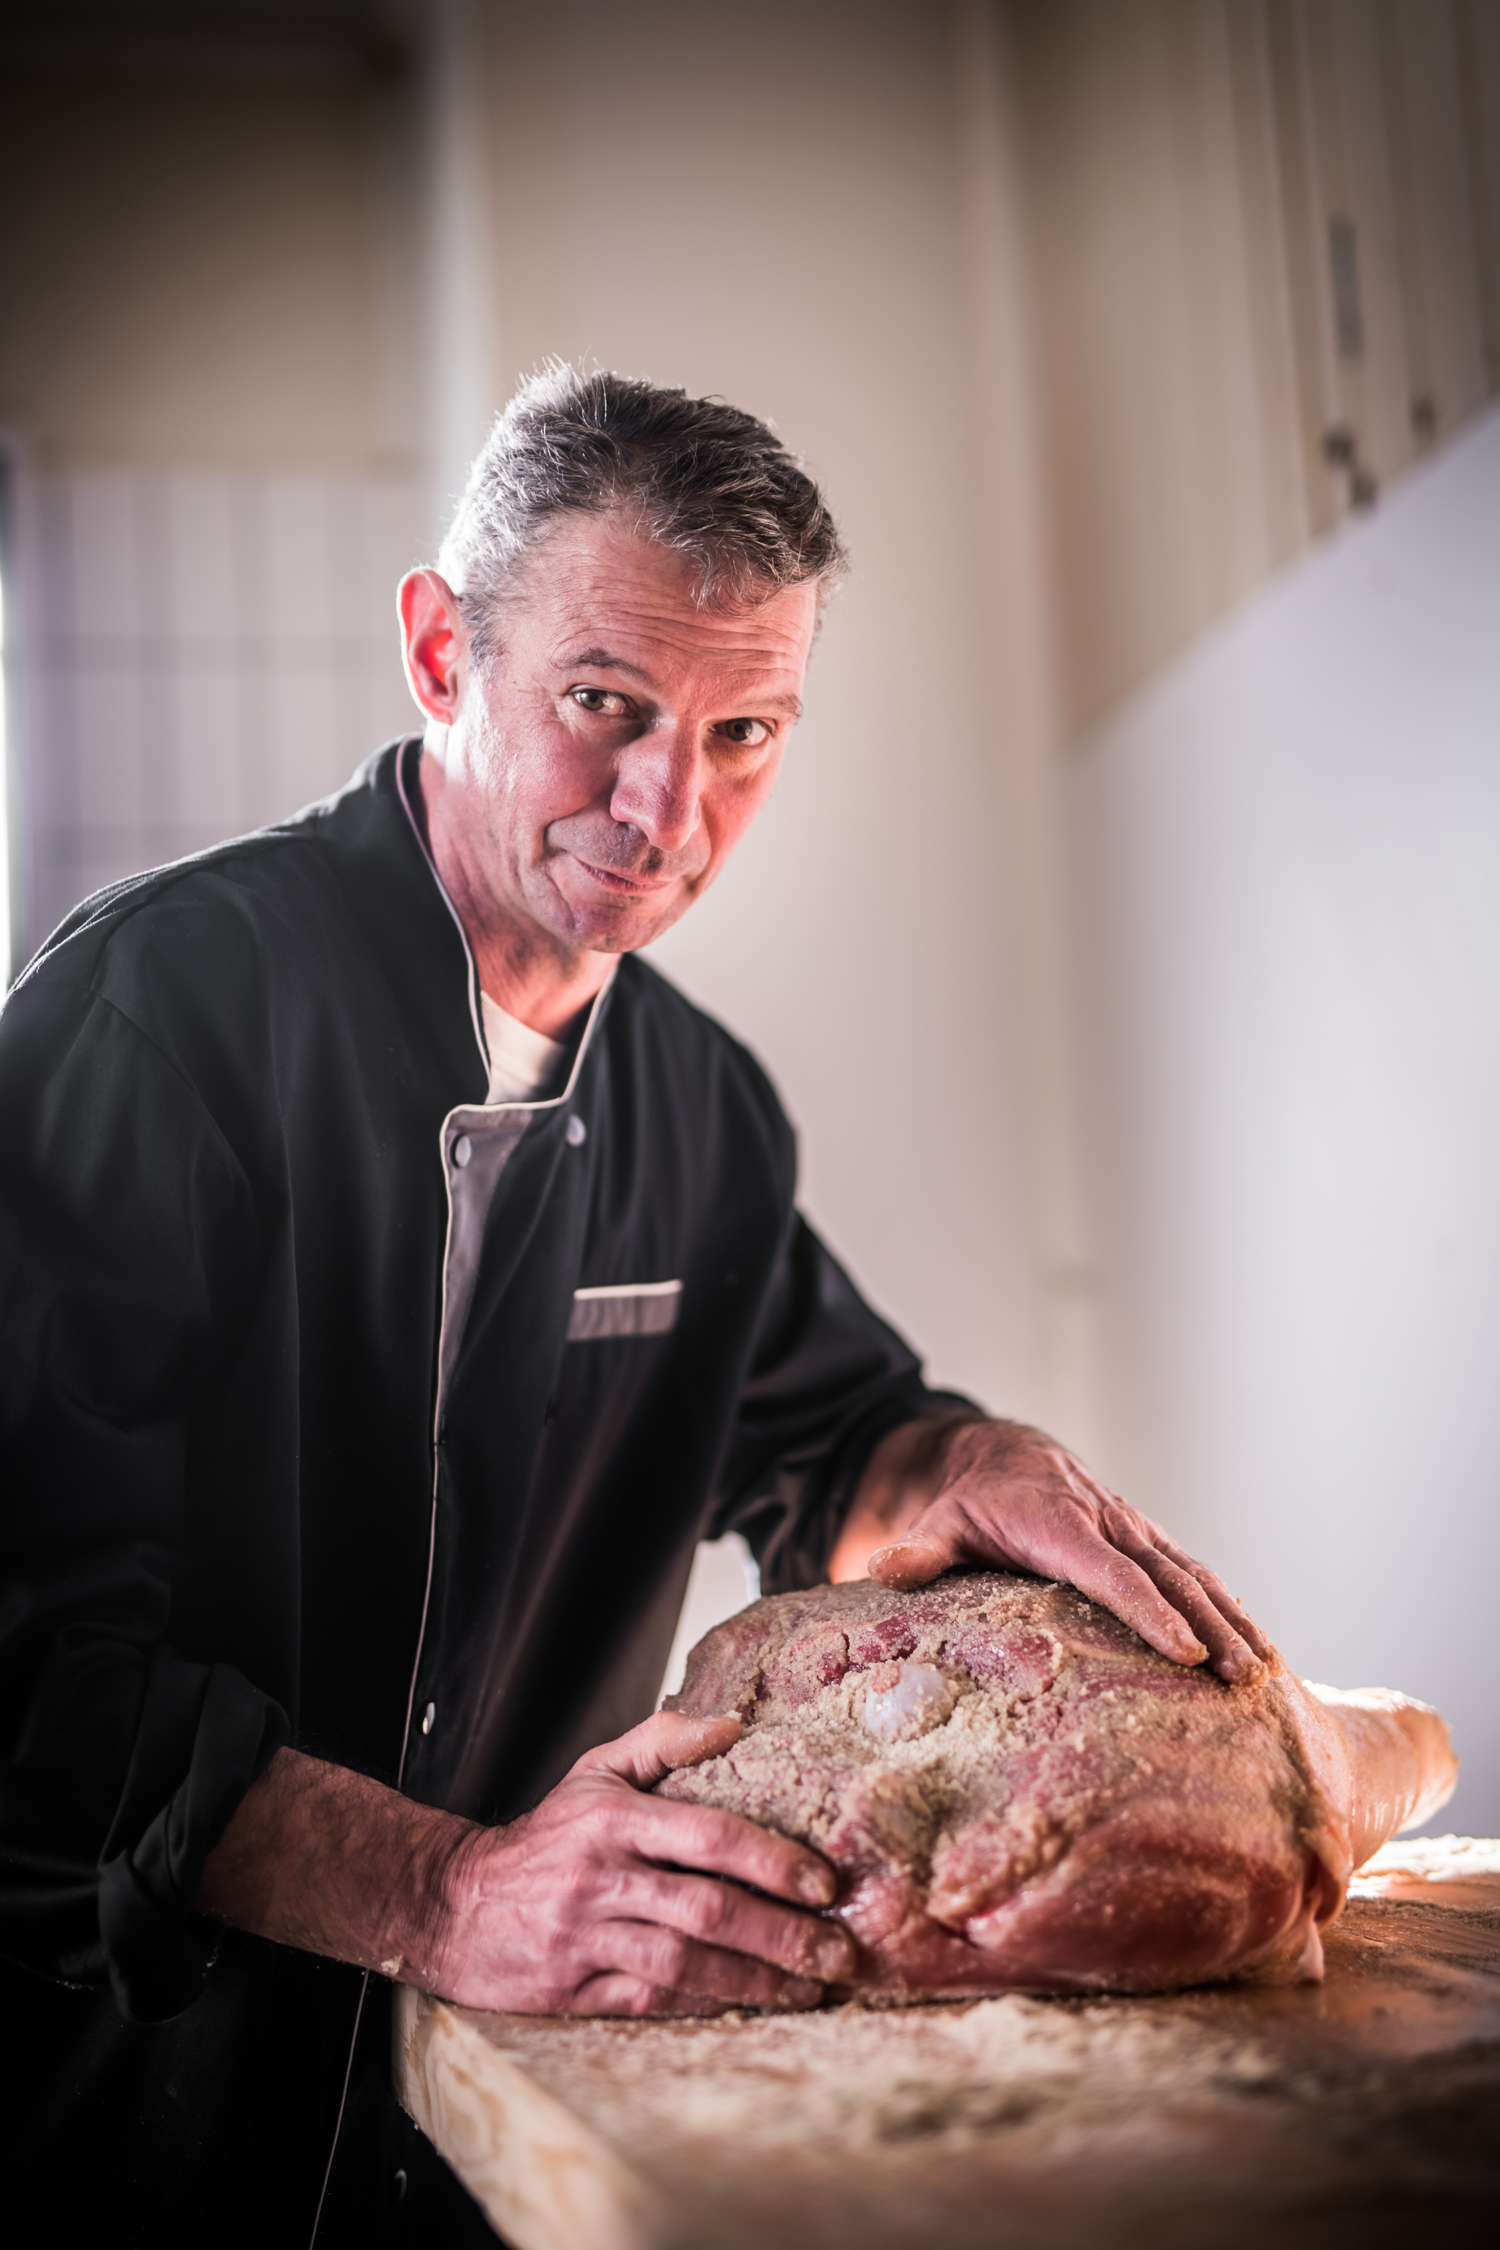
693	1836
723	1843
1235	1644
1231	1656
913	1561
659	1745
1218	1593
1112	1578
1082	1557
1061	1521
723	1916
670	1962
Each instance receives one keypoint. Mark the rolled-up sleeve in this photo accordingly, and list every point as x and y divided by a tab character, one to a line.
127	1253
829	1378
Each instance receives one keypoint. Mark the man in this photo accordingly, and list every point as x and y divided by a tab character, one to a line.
399	1279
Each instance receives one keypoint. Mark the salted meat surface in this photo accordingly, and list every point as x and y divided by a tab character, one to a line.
1021	1795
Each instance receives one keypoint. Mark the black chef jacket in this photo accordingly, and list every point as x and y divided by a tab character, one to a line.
339	1409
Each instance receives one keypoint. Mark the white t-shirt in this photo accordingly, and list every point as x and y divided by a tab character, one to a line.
520	1059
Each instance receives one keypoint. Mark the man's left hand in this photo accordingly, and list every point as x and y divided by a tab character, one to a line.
1001	1496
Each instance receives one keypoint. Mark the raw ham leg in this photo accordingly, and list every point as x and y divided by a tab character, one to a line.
1021	1795
1401	1763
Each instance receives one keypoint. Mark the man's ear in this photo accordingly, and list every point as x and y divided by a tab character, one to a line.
434	644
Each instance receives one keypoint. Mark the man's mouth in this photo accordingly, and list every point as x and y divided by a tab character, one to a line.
625	886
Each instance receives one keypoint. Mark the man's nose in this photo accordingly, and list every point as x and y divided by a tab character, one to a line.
658	786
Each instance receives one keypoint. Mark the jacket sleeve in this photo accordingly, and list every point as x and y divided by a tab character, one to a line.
127	1250
828	1379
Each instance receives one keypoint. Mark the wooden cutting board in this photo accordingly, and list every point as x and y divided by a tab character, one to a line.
1364	2111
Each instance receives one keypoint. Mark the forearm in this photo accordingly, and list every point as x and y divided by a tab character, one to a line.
329	1860
604	1899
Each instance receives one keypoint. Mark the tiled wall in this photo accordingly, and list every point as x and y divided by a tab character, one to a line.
205	653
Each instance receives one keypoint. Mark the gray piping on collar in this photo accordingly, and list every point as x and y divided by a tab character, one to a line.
463	935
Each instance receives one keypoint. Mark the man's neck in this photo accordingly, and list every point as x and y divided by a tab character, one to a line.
541	983
528	983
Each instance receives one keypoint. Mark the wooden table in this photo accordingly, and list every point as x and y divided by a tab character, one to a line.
1364	2111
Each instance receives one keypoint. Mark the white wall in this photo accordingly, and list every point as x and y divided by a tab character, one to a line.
789	233
1286	873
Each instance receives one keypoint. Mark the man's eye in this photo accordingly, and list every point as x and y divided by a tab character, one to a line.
746	734
601	701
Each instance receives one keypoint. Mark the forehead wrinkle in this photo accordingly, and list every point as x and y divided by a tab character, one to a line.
599	660
740	658
600	566
698	632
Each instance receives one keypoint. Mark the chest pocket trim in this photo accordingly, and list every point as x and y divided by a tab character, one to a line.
624	1308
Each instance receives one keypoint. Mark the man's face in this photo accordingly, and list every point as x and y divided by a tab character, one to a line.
621	741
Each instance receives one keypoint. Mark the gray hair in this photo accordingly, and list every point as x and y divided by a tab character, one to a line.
698	476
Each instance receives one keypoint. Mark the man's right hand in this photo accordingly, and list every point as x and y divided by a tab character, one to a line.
606	1901
603	1901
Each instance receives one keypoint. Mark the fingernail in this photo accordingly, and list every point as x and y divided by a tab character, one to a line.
799	1992
906	1555
1238	1666
817	1885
